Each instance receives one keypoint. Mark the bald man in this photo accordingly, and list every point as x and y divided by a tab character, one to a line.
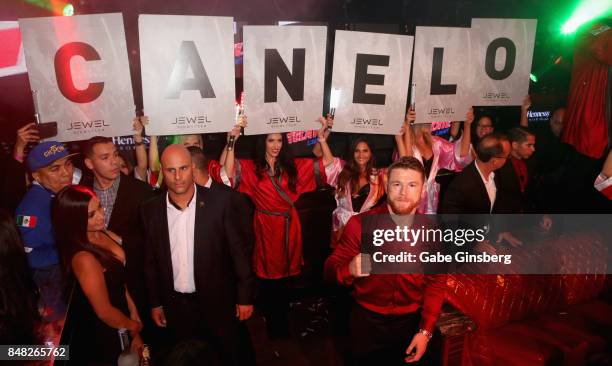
474	190
198	271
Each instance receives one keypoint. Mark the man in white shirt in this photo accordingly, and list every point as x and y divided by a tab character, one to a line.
198	257
474	190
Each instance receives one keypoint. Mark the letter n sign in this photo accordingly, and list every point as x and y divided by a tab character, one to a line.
276	69
284	71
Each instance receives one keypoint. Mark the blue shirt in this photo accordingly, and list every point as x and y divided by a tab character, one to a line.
34	220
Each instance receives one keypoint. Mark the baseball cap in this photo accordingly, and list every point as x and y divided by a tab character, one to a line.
46	153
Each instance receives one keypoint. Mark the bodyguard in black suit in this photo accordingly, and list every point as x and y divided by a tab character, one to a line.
198	261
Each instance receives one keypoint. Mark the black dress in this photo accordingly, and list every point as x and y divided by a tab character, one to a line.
94	342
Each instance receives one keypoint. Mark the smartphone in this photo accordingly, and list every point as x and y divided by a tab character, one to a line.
46	130
366	263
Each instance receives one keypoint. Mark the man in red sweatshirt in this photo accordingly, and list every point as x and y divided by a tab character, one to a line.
395	314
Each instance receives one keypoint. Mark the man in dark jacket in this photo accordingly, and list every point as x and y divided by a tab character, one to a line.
198	261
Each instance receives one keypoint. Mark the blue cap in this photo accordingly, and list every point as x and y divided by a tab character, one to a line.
46	153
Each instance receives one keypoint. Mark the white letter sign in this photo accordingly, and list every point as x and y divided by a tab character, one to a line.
187	65
442	58
284	69
371	71
503	50
79	67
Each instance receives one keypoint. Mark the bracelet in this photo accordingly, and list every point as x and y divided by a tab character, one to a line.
426	333
138	143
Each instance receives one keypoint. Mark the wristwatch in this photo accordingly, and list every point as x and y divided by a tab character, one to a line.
426	333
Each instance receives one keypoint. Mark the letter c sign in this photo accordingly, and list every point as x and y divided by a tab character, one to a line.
63	73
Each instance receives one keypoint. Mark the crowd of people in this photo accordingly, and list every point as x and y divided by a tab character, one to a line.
180	248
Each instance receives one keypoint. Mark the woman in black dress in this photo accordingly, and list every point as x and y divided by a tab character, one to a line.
95	257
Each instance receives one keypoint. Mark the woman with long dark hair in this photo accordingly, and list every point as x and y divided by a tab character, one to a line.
95	258
359	183
18	292
275	180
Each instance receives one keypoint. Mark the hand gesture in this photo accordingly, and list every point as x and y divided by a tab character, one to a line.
526	103
509	238
243	312
158	316
355	266
417	347
330	121
27	133
410	117
138	124
242	121
469	117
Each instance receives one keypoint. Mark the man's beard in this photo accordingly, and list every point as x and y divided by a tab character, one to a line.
404	210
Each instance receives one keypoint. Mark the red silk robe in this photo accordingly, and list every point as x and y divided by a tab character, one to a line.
586	127
216	172
278	235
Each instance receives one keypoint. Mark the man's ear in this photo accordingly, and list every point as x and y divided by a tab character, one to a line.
36	176
88	163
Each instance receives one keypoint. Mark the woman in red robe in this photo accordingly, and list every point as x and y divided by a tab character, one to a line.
274	181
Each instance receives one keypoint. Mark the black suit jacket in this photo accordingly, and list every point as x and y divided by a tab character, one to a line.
509	188
223	243
467	194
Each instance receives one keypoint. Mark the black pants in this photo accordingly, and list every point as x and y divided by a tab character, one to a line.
377	339
274	304
186	321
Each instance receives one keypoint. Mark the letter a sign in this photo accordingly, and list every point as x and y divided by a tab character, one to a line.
187	65
284	69
79	67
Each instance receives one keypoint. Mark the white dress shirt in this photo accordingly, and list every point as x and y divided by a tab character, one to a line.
181	224
489	185
208	182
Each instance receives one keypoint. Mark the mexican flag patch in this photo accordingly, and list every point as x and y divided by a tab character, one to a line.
26	221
